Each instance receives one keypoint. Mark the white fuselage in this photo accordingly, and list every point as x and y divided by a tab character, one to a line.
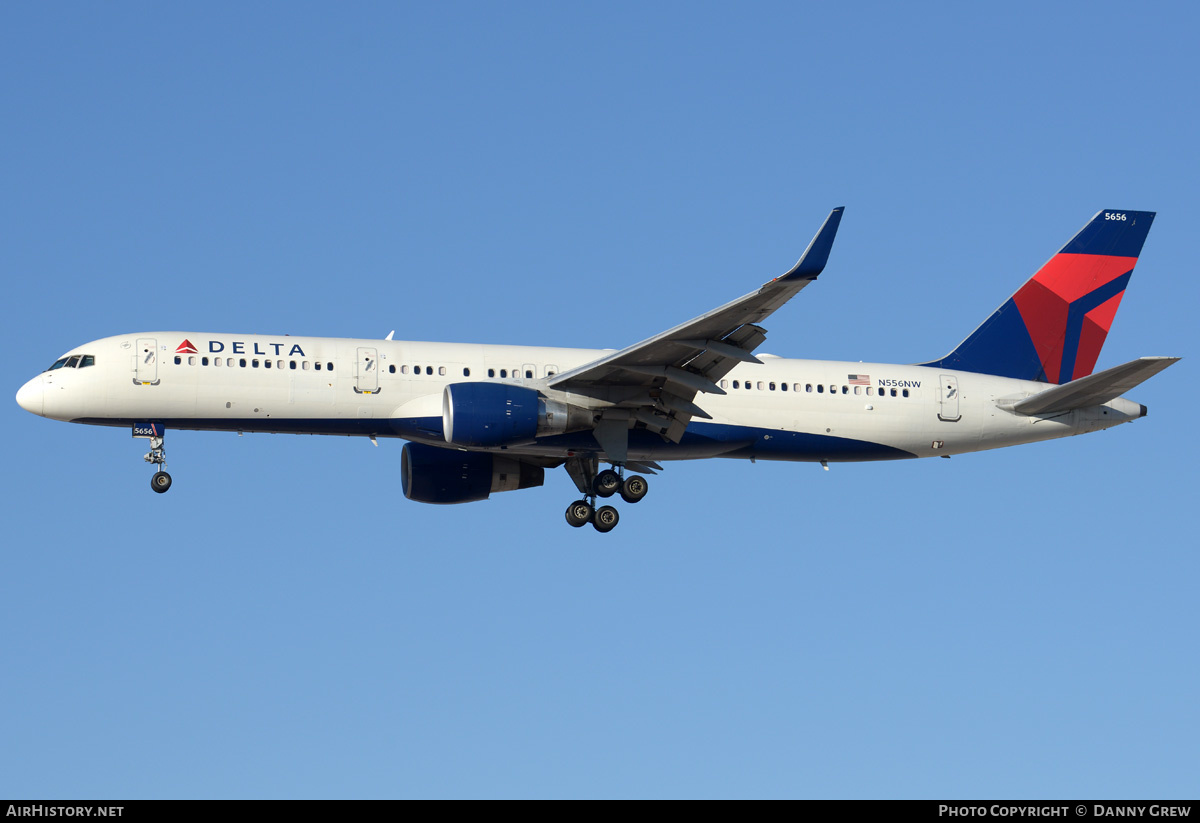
782	409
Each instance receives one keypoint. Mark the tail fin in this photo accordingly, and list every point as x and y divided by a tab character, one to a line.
1052	329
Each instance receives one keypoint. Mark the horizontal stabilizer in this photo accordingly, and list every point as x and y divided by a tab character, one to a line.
1093	390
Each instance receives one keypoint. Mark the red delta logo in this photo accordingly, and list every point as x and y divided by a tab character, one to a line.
186	347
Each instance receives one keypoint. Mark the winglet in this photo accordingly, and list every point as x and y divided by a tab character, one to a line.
813	261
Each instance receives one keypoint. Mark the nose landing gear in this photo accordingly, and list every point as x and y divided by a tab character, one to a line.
161	481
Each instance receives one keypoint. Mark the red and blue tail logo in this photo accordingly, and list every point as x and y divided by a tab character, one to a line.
1052	329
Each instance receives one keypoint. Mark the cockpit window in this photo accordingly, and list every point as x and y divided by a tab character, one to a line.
72	363
58	364
88	360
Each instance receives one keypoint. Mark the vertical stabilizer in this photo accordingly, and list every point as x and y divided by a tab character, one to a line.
1053	328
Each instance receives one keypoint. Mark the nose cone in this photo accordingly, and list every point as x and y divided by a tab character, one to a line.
30	396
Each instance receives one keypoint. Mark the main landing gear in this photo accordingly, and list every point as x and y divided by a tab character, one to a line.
161	481
595	485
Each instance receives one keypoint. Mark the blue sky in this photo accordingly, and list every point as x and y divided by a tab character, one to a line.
284	623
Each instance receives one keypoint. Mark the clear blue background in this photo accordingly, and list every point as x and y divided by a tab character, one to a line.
1019	623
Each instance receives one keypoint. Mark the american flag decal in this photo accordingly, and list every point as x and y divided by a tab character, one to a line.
858	379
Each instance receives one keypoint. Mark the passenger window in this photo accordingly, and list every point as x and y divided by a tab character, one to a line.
304	365
807	387
893	392
760	385
820	388
328	367
216	361
906	392
254	362
491	372
504	372
242	362
783	386
279	364
858	389
442	371
466	372
735	384
266	364
178	360
771	386
845	389
404	369
429	369
528	374
870	390
191	359
317	366
747	385
291	364
724	384
391	369
203	361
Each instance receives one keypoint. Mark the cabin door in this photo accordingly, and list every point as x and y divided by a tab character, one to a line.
948	399
145	364
366	375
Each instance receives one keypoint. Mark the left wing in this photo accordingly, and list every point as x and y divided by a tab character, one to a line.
656	381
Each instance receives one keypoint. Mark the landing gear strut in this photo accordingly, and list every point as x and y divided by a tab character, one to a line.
595	484
161	481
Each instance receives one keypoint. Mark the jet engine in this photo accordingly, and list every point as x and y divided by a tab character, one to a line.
483	415
430	474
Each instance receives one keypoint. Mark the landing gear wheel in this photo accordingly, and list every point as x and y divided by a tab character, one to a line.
579	513
160	482
634	488
607	483
606	519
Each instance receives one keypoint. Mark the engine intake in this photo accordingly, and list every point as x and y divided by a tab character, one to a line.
430	474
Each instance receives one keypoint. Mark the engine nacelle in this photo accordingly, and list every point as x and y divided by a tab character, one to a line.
484	415
430	474
489	414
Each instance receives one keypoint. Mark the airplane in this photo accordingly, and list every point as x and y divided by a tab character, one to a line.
481	419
